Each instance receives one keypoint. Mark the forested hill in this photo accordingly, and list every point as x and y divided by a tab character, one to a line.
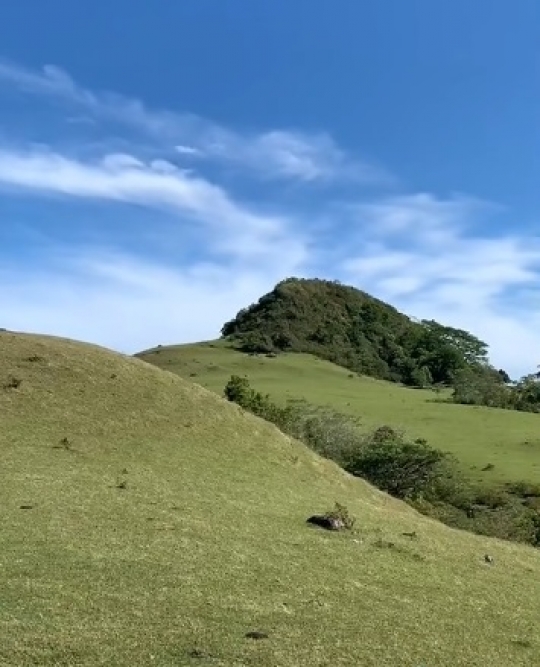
353	329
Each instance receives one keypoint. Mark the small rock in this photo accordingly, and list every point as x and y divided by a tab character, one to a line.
489	559
327	522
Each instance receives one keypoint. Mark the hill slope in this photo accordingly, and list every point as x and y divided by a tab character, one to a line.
478	436
165	524
353	329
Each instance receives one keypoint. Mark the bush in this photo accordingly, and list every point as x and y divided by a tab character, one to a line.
402	468
327	432
509	521
341	514
239	391
523	489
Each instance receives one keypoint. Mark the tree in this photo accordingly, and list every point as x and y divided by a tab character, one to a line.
505	378
527	393
472	349
421	377
481	386
353	329
403	469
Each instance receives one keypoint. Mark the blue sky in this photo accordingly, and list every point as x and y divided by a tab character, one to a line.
164	164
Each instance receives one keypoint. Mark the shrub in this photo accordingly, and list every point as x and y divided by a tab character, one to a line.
509	521
329	433
340	515
524	489
402	468
239	391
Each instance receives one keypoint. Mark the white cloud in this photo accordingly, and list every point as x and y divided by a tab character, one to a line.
419	216
272	154
440	271
187	150
291	155
125	303
235	230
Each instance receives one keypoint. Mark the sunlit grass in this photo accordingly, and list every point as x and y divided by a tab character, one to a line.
508	440
172	524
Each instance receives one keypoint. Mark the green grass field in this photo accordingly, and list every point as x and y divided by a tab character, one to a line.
508	440
162	524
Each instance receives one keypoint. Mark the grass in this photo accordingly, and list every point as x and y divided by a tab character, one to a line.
207	540
505	442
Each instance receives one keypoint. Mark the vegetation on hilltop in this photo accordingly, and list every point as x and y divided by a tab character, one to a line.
353	329
350	328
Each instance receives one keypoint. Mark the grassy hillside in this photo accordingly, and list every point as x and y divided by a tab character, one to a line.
478	436
163	524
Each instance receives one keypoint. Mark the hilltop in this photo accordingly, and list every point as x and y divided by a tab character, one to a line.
353	329
162	524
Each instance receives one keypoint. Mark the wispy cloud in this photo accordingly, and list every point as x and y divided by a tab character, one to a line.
283	154
420	216
433	257
233	228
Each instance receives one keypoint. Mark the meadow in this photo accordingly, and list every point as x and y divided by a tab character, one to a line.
146	521
506	442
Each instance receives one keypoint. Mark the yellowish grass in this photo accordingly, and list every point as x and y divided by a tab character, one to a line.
208	541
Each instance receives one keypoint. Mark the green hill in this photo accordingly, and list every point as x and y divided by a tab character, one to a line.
479	436
145	521
353	329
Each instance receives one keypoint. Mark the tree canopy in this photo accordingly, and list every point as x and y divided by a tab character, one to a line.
353	329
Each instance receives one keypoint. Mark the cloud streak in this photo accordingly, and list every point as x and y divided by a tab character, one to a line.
234	230
124	302
281	155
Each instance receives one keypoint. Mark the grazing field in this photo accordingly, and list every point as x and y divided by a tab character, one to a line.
146	521
508	440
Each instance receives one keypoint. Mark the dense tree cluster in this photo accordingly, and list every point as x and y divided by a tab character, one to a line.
353	329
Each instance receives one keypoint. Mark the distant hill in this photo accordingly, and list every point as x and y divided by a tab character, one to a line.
353	329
